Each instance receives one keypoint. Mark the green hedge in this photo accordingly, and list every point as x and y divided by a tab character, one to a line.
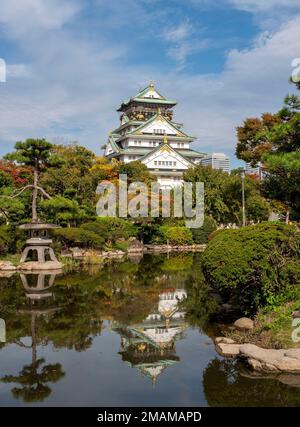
256	265
116	228
97	233
79	237
174	235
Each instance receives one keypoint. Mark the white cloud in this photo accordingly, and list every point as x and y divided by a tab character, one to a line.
255	6
183	43
181	32
254	80
73	86
18	70
22	16
185	48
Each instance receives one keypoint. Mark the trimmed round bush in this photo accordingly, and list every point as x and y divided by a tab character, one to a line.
254	265
115	228
175	235
79	237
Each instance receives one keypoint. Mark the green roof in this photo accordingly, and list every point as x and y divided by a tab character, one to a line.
158	137
143	124
128	123
112	142
191	153
146	89
141	151
139	98
146	150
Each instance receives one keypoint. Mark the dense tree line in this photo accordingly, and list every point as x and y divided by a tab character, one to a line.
57	183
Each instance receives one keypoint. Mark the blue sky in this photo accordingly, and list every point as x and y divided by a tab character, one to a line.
71	62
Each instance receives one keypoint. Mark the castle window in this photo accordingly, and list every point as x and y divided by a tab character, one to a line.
158	131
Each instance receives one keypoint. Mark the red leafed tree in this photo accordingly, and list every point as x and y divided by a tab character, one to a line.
20	175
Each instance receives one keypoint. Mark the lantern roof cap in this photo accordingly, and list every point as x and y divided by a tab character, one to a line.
38	226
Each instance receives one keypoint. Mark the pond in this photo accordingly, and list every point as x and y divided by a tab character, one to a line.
132	333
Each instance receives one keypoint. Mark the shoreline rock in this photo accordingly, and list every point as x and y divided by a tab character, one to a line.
7	266
174	248
244	324
226	347
267	360
135	247
40	266
260	359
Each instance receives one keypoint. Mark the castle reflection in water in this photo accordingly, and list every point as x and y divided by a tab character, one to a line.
57	349
150	345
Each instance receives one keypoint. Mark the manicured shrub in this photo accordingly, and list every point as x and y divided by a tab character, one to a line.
116	228
79	237
214	234
96	227
200	235
254	265
95	234
174	235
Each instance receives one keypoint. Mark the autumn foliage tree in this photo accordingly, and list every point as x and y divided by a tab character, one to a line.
35	154
274	140
252	140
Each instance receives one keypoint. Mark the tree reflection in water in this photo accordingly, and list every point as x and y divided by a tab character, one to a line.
34	378
150	303
227	383
68	312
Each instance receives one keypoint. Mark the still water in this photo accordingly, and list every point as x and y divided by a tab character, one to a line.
133	333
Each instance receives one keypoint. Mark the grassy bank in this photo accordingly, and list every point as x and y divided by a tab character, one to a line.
273	327
13	258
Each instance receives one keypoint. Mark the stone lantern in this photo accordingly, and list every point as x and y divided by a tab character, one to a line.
38	253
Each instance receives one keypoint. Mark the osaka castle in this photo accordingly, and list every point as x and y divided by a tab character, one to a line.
148	133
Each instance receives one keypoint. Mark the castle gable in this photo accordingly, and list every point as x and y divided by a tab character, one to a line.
165	157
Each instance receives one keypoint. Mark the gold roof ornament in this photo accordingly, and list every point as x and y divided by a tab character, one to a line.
159	111
142	347
151	84
166	139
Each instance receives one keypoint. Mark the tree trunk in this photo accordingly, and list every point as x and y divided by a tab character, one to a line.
35	195
287	216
